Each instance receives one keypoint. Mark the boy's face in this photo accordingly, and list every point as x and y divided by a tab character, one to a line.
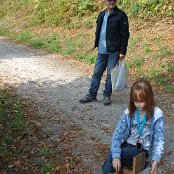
110	4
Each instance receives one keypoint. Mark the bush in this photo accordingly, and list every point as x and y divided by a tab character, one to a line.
7	6
148	8
63	12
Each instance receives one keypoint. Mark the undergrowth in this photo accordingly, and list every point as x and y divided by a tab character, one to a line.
22	140
69	14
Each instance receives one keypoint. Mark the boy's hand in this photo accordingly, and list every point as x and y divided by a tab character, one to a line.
121	56
154	167
116	162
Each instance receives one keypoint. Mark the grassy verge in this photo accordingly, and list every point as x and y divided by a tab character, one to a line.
152	59
78	46
21	137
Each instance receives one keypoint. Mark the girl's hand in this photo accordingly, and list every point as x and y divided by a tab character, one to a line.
154	167
116	162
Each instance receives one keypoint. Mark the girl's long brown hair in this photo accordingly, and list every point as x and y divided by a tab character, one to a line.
142	91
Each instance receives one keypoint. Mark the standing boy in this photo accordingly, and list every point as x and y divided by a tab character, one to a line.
112	34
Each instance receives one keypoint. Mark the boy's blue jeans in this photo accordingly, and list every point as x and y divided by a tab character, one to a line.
103	62
128	151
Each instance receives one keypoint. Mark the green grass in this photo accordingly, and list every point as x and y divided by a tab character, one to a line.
164	52
4	32
147	48
69	48
52	42
161	79
48	168
24	37
38	43
90	58
11	114
155	55
169	88
161	70
134	43
147	9
153	72
136	62
13	124
69	13
171	67
46	152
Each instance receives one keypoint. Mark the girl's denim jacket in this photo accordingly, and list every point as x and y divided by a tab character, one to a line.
122	132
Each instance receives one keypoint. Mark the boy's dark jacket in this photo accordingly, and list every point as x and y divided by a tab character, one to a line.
117	31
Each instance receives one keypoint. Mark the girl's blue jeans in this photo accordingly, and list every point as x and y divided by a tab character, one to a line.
103	62
128	151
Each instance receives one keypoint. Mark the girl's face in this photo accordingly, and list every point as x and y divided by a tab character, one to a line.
140	105
139	98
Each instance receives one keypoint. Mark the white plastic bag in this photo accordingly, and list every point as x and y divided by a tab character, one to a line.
119	76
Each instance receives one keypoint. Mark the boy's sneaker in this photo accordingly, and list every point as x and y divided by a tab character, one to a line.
87	98
107	100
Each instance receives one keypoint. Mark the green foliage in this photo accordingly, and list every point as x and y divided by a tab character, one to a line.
24	37
46	152
11	113
73	46
155	67
171	67
4	32
8	7
161	79
69	48
65	13
146	48
136	9
169	88
38	43
153	72
164	51
12	122
47	168
148	8
52	42
90	58
134	42
136	62
42	9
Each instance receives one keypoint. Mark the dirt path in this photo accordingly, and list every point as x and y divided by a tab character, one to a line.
55	86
